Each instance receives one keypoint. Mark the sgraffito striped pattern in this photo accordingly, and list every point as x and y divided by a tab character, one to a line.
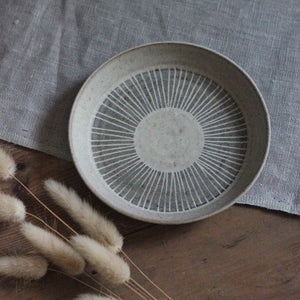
210	175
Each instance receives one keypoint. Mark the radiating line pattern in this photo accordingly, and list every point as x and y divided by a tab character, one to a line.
219	161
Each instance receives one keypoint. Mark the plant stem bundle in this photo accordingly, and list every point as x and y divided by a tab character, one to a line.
99	248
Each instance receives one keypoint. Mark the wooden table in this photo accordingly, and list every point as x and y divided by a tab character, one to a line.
242	253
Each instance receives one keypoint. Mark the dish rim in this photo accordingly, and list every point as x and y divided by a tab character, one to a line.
162	221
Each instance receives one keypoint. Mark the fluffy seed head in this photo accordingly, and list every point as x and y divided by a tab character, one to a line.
93	297
112	268
26	267
54	248
7	165
92	222
11	209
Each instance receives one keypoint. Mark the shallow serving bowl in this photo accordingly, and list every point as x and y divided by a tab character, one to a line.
169	132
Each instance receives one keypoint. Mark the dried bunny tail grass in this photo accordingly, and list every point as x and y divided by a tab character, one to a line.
26	267
11	209
93	297
92	222
112	268
54	248
7	165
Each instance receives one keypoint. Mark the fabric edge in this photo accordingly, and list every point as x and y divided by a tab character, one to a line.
258	201
34	145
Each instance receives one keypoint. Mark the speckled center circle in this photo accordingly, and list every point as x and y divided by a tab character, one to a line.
169	140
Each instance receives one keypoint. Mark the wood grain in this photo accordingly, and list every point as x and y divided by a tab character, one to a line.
241	253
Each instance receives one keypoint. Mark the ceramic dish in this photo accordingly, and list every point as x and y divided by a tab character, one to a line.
169	132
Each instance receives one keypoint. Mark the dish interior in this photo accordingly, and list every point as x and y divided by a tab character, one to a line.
168	140
169	132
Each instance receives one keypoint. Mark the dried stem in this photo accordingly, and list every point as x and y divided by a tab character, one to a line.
76	233
140	291
155	285
134	290
142	288
82	282
100	284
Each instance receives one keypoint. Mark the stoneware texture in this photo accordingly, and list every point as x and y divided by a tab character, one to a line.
169	132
